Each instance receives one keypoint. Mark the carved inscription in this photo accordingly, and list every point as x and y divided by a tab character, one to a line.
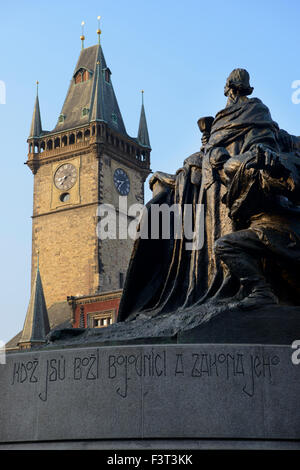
121	369
153	364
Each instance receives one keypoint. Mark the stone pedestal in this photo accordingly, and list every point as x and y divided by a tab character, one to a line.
195	392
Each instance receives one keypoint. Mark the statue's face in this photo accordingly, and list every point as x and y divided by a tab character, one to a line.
233	93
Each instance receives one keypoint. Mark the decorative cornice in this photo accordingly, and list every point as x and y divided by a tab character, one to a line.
88	299
121	157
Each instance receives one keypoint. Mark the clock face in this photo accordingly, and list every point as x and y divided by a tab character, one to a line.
122	182
65	176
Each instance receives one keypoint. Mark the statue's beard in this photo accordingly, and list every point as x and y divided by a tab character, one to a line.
231	100
235	99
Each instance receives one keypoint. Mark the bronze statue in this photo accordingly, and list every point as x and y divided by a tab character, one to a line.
262	182
246	179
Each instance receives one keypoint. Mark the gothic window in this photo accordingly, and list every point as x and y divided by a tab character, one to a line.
78	77
49	145
82	75
107	75
81	318
85	76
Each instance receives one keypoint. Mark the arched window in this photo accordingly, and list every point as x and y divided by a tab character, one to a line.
79	136
107	74
78	77
82	75
49	145
64	141
85	75
57	143
72	139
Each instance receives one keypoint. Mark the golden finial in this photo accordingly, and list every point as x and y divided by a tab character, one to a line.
99	30
82	34
37	87
142	91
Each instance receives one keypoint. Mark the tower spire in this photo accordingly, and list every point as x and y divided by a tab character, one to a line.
36	123
99	30
143	135
36	325
82	35
95	94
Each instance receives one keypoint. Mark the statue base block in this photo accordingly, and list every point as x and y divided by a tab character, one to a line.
273	324
208	395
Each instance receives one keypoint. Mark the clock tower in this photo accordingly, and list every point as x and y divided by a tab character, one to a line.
88	159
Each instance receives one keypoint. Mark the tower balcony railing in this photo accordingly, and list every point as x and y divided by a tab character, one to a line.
60	144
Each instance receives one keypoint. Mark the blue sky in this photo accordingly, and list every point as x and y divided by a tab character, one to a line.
179	52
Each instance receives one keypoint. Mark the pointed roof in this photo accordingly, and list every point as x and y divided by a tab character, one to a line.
36	123
96	95
36	325
97	110
143	135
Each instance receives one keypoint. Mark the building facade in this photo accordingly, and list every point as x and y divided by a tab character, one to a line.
86	161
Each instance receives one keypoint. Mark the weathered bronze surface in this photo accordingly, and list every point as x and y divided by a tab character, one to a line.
246	178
